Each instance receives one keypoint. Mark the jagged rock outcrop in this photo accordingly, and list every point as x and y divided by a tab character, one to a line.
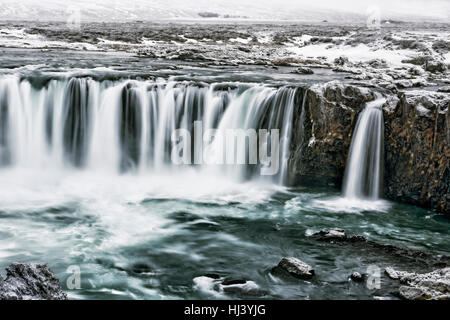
434	285
417	150
30	282
417	141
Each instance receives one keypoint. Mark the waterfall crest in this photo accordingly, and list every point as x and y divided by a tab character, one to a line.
126	125
363	173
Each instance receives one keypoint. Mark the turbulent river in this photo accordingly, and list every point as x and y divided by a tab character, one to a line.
87	181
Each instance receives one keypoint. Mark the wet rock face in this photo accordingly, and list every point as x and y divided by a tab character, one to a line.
324	124
417	141
417	150
30	282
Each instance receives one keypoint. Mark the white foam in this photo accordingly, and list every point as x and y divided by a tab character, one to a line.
346	205
209	286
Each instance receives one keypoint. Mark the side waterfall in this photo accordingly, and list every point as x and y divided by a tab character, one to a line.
363	174
127	125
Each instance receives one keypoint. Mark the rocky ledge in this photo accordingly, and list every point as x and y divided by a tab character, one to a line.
417	140
30	282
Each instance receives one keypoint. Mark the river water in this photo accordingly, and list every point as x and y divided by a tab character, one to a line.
153	234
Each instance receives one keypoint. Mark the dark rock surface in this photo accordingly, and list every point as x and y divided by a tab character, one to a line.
417	141
30	282
417	150
325	122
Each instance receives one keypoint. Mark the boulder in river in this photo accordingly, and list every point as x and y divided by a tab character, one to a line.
296	267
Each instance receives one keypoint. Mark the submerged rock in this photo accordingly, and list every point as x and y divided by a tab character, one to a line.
296	267
434	285
30	282
340	237
331	234
337	235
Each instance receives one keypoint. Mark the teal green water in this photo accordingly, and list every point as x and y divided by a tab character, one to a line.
153	237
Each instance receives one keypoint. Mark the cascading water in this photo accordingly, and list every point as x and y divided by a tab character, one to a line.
127	125
363	174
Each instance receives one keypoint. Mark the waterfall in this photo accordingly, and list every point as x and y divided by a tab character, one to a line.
363	173
126	125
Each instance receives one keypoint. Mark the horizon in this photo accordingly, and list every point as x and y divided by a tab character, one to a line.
283	10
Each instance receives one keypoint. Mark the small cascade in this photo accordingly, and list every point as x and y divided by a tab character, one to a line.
363	174
127	125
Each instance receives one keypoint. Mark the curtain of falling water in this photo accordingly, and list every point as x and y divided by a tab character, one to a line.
127	125
363	174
